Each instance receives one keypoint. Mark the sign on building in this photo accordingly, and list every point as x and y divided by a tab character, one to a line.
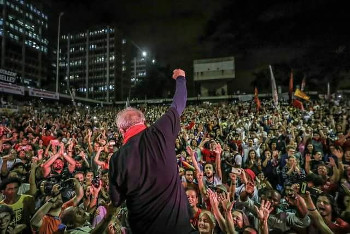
8	76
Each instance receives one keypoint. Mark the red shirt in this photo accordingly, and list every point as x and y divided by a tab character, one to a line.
208	156
194	219
339	226
47	139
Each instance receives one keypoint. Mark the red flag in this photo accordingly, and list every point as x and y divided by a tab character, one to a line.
256	99
298	104
290	87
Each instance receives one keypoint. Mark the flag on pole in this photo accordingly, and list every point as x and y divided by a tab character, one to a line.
274	89
290	93
256	99
303	82
298	104
301	94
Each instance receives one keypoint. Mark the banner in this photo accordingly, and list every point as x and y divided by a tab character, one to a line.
274	89
301	94
43	94
290	93
11	88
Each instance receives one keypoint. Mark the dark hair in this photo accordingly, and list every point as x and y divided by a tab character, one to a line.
233	146
252	150
208	163
89	171
78	172
18	164
68	219
7	209
315	179
189	169
10	180
192	188
104	172
333	204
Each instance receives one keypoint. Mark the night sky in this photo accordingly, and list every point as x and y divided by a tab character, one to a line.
256	32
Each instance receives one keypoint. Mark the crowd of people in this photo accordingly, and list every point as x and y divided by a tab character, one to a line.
276	170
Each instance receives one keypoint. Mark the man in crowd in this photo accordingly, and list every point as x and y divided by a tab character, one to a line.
22	205
144	171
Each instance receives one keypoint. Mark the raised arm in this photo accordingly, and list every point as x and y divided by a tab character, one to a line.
46	166
79	192
335	177
68	158
218	151
194	160
315	215
180	96
34	166
97	157
215	209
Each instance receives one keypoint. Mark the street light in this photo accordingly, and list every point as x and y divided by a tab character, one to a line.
58	49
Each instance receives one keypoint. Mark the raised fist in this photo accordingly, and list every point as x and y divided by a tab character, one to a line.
177	73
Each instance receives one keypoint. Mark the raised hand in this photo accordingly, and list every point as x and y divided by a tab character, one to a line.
177	73
307	158
218	149
225	201
331	162
263	212
338	153
189	150
213	198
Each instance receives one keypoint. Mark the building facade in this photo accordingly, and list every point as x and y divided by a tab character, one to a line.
24	41
93	63
214	75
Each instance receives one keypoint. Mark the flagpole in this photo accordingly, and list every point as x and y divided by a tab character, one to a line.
328	91
274	89
290	93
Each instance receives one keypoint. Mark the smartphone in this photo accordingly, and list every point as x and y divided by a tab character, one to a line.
236	171
303	187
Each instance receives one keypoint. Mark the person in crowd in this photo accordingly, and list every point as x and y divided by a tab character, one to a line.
193	199
206	222
291	172
47	218
148	156
22	205
253	162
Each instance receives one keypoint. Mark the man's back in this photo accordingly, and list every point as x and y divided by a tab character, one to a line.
144	172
